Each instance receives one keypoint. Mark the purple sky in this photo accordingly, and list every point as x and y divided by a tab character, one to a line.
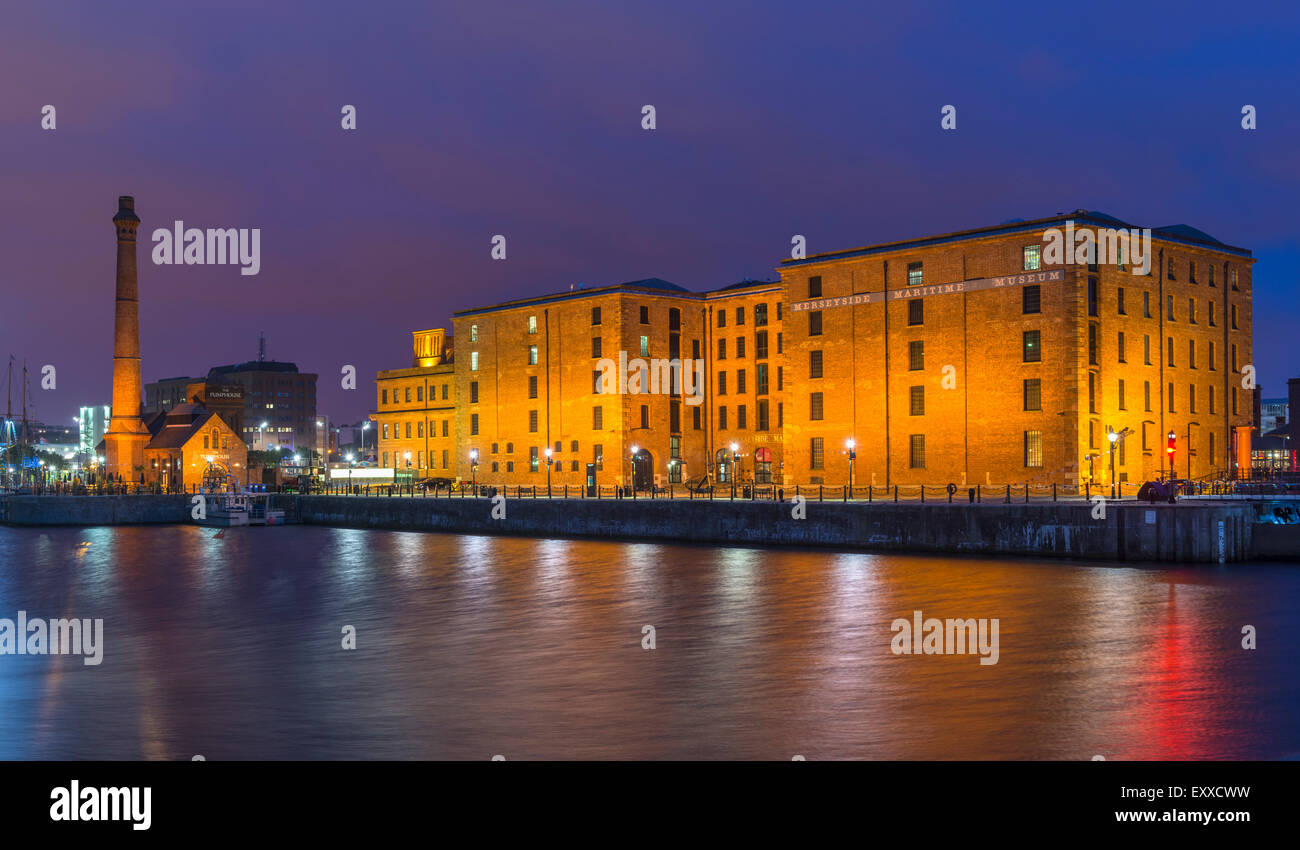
524	119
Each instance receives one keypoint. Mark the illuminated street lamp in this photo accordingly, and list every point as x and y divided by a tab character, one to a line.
473	468
261	438
632	463
548	472
734	449
853	455
1173	438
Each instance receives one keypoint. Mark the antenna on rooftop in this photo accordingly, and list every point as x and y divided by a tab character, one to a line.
261	346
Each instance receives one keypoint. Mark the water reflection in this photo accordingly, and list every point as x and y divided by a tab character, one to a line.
231	646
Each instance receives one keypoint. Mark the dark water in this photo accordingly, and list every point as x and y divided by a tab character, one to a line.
469	647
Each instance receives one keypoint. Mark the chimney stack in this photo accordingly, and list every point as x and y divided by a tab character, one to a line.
124	443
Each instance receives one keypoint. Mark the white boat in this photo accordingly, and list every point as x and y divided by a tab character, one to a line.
225	510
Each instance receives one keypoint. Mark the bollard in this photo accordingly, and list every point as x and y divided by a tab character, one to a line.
1053	491
869	489
923	494
821	491
895	492
1087	491
1008	494
1026	492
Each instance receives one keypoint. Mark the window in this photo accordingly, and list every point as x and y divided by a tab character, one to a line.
740	416
1210	270
916	355
446	427
1210	308
473	361
1093	332
722	383
722	417
917	401
1146	397
1232	276
814	364
815	406
573	446
598	455
532	355
1092	392
1210	363
1191	271
1191	310
1034	449
1031	299
815	323
696	418
1169	313
1171	269
419	393
763	423
1170	346
1120	400
645	416
722	317
740	315
1033	257
473	423
814	287
1234	359
473	333
532	458
1033	392
1191	354
1146	305
740	346
1119	344
1210	388
595	315
1146	349
1191	398
1171	399
385	430
419	429
384	395
407	394
408	430
645	315
916	312
916	454
597	418
817	454
1031	347
645	346
915	277
722	349
674	319
1093	306
1119	302
760	315
780	378
675	416
740	380
473	392
1234	317
532	421
595	346
532	324
760	345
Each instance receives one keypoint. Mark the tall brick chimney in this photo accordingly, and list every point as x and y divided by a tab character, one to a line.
126	437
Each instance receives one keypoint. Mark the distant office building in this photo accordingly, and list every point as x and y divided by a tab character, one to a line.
274	393
224	399
92	425
1273	414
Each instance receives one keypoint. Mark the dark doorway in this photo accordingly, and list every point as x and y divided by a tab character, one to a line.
643	477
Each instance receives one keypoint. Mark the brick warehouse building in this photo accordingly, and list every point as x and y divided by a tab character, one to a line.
1041	360
967	357
416	409
528	381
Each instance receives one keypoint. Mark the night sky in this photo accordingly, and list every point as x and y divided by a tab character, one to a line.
524	119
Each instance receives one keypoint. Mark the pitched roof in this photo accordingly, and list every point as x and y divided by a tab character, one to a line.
176	435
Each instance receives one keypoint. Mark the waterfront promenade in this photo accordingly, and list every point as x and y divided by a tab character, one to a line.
1191	531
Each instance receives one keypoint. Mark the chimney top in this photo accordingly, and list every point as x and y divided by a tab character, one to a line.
126	209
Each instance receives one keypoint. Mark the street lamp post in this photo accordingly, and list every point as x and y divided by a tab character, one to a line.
261	437
632	464
734	456
548	472
1172	438
853	454
473	468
